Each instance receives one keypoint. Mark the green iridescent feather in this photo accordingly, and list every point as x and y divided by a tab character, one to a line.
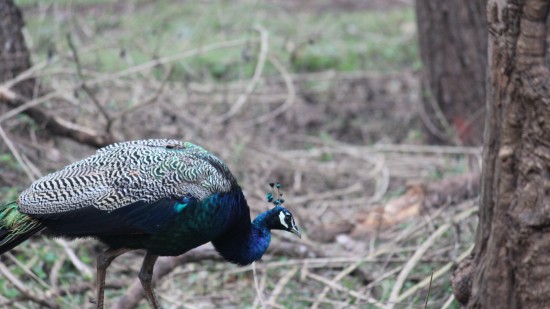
14	224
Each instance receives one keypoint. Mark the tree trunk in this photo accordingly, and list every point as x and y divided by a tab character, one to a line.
14	55
510	263
453	47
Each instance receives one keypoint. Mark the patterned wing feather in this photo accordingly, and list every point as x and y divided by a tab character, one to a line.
124	173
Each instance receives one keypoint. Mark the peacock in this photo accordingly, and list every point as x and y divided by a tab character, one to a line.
164	196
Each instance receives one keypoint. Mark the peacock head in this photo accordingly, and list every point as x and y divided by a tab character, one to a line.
280	218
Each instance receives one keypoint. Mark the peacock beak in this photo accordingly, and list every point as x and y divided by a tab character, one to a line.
296	232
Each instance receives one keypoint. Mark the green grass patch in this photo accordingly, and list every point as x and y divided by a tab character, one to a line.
306	41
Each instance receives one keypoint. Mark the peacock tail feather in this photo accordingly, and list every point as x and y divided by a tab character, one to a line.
15	227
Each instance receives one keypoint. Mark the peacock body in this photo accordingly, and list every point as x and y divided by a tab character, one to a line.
164	196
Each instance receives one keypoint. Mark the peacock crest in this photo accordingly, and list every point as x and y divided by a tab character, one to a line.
271	195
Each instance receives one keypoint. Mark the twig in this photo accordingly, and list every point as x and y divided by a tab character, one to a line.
301	199
151	100
272	301
429	290
54	123
448	132
290	99
78	264
26	104
85	87
441	150
16	155
8	303
440	272
333	303
384	276
429	124
28	271
412	262
27	74
334	285
259	291
35	171
243	98
443	120
406	233
448	302
382	184
176	57
21	287
394	295
348	270
54	273
317	263
384	148
81	134
30	169
23	104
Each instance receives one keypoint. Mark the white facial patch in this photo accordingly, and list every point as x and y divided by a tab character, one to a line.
293	224
282	219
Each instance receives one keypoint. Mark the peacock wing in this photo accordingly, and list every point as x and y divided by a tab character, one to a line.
130	173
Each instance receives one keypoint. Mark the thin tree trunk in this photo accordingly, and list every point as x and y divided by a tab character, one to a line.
453	47
511	261
14	55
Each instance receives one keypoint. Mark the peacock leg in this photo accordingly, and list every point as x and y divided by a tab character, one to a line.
146	276
103	261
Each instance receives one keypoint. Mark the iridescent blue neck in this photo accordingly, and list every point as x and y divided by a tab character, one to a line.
246	242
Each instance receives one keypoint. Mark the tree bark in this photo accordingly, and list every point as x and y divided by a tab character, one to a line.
14	55
511	260
453	46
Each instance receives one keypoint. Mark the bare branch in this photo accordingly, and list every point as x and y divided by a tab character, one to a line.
243	98
85	87
21	287
149	101
51	122
290	99
16	155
